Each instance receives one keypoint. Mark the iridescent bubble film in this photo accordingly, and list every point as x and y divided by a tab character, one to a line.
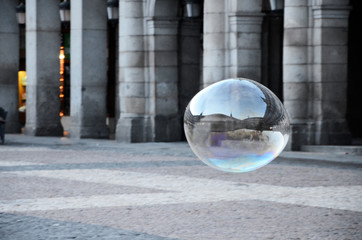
236	125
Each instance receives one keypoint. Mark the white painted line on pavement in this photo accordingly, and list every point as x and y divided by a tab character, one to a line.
17	163
182	190
26	149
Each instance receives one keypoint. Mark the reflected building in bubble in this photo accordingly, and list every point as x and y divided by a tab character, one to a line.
131	76
249	140
219	127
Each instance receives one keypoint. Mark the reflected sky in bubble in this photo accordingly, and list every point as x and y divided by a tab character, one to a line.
236	125
245	98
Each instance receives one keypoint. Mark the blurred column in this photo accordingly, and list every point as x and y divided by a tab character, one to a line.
88	69
9	64
42	66
330	39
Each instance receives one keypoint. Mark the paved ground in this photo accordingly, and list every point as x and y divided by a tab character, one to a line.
52	188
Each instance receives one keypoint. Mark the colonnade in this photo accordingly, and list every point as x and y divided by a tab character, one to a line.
152	70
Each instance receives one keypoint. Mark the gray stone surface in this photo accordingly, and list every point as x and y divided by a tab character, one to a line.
353	150
13	226
59	188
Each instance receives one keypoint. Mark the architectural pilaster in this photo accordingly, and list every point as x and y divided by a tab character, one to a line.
88	69
330	33
42	66
9	64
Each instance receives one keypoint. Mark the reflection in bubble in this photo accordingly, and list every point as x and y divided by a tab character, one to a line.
236	125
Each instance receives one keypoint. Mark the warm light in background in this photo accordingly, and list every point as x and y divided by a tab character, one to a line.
61	87
22	96
22	88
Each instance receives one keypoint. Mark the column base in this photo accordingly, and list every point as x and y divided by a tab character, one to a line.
48	130
167	128
12	127
301	134
326	132
97	131
141	129
133	130
332	132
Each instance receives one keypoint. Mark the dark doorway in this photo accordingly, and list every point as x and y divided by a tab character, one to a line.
112	32
111	104
190	44
272	52
354	102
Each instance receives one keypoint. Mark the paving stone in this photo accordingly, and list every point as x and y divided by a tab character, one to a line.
14	226
52	189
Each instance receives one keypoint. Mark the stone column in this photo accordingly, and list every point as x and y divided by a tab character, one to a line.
133	124
245	45
9	64
295	71
330	41
42	66
163	74
214	65
88	69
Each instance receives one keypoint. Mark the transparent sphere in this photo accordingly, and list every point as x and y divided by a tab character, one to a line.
236	125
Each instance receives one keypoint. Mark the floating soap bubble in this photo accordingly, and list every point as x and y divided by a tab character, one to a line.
236	125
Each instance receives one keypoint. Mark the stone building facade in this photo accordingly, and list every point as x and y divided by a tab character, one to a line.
164	58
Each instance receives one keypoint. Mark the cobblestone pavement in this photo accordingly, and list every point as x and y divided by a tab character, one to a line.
105	190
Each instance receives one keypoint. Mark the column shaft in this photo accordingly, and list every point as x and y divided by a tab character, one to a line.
214	65
330	41
133	124
42	66
88	69
245	45
296	83
163	74
9	64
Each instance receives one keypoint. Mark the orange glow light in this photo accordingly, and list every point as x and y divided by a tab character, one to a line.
61	54
61	71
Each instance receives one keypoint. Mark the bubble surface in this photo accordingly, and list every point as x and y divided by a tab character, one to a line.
236	125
